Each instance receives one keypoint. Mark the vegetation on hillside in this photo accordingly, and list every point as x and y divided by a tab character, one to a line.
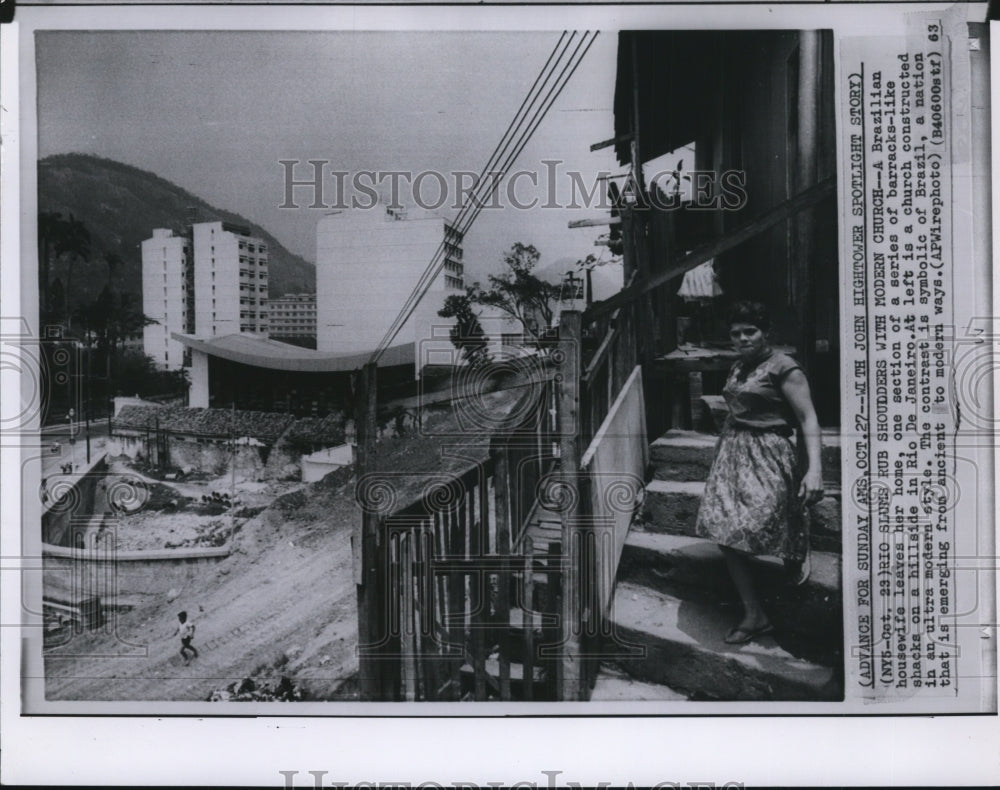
118	205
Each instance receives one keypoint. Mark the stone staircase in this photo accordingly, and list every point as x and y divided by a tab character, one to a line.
674	599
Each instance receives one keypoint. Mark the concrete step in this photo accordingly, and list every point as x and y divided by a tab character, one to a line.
615	685
671	506
809	617
682	455
684	649
687	456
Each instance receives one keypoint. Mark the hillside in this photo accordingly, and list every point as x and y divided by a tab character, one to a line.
121	204
282	604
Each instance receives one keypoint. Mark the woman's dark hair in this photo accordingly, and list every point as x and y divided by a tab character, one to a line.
182	616
753	313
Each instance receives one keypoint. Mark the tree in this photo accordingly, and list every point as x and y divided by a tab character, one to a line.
519	293
58	239
467	334
49	231
75	246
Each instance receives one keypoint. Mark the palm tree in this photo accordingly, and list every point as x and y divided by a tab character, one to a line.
75	243
58	237
49	232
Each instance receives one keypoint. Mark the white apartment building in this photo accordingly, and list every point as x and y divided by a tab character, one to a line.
230	280
167	290
212	281
292	315
368	262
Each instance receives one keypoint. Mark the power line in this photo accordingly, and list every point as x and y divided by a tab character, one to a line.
464	221
433	267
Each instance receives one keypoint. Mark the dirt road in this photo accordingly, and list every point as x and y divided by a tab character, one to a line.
286	592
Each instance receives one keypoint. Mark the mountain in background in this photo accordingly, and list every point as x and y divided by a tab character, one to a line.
120	205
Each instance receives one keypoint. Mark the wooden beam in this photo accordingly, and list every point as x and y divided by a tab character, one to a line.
609	142
706	252
593	223
371	598
568	675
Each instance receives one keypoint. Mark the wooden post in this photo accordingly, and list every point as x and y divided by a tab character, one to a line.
501	497
806	169
406	630
477	597
568	668
371	605
528	621
648	331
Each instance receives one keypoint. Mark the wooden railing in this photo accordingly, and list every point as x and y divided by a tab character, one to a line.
603	458
606	371
454	593
445	603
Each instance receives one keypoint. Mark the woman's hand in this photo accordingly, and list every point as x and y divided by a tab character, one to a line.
811	490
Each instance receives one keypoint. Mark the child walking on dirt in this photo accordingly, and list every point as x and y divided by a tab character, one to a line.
186	629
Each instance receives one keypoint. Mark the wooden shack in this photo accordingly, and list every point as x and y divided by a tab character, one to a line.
754	113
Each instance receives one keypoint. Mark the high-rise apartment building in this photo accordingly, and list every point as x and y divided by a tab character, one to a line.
211	281
167	295
368	263
292	316
230	280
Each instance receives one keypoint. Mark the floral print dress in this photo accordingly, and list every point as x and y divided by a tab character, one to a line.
751	497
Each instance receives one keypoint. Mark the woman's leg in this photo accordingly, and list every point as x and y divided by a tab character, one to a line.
738	564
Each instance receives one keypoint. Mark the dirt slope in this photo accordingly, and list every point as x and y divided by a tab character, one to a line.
285	598
287	590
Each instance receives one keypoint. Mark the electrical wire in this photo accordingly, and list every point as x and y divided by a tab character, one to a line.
433	267
471	208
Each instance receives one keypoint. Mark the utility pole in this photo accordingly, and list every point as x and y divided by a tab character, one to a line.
72	439
86	408
232	479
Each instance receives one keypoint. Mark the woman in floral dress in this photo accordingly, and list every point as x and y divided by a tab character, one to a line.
755	497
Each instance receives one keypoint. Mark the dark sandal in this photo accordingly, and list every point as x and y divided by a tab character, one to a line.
741	636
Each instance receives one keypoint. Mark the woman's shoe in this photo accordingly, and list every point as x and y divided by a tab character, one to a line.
741	636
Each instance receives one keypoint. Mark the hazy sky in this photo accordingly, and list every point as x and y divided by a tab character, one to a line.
215	112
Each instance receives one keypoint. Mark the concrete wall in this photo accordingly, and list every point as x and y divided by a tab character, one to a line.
319	464
198	389
107	574
82	500
253	461
283	463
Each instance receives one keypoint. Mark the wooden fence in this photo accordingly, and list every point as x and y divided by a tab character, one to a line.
455	598
446	606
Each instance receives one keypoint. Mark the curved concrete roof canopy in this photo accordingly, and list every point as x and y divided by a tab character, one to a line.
266	353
